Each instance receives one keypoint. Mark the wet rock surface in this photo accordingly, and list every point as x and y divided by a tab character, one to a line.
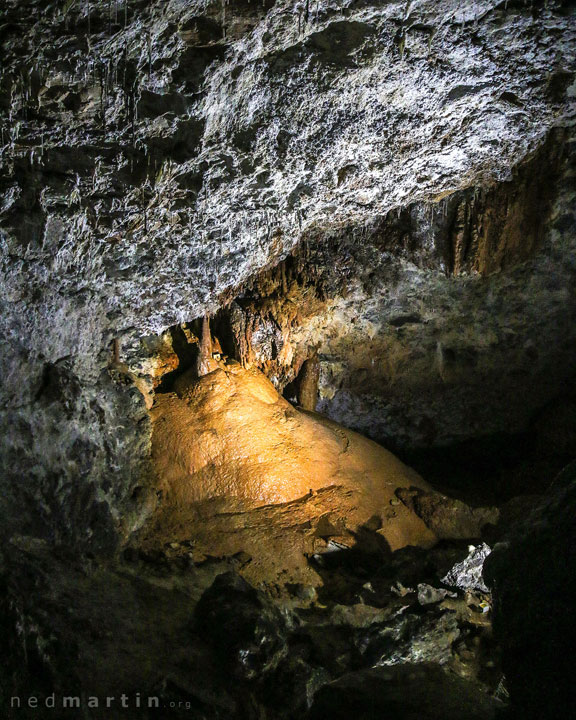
241	469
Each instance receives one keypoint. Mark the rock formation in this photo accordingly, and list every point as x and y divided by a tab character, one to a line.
228	443
157	156
533	576
214	211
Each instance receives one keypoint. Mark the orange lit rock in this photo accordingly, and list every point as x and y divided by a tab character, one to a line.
231	453
308	390
163	361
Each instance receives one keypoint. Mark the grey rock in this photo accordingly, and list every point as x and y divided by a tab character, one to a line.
407	692
428	595
532	576
467	575
247	630
411	638
447	517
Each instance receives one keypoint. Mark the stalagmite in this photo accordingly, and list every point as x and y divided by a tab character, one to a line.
205	361
308	388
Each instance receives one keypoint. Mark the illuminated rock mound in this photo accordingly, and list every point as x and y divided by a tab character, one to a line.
239	467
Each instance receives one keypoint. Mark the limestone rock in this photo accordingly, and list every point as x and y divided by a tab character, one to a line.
448	518
407	692
467	575
238	466
532	577
248	631
411	638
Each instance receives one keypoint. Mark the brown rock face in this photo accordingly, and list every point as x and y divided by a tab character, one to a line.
230	434
308	390
228	445
447	517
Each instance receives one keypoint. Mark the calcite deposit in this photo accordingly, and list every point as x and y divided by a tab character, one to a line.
227	444
157	155
217	219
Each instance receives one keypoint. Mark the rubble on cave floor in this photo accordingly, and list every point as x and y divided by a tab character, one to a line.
229	649
286	562
342	562
345	575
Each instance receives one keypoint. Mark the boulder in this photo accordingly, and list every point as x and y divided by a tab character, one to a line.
402	692
533	580
247	631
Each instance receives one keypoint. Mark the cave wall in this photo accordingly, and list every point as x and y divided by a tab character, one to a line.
157	156
435	324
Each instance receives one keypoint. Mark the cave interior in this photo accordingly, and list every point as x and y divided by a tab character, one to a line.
288	390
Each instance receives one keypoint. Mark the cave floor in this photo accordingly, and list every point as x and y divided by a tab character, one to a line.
136	625
241	598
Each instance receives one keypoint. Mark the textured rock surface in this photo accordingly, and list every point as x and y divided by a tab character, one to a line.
240	469
378	198
438	323
408	691
155	156
230	434
205	643
533	578
467	575
248	632
446	517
